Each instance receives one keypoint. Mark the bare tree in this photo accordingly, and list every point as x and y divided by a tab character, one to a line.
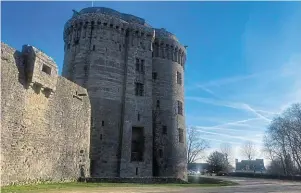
248	150
282	143
226	149
195	145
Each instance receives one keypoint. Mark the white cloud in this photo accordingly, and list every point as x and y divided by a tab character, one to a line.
234	105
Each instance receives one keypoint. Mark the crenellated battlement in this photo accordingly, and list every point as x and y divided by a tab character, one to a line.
94	23
170	50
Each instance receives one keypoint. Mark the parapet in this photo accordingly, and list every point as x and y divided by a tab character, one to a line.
98	18
107	11
167	46
41	70
162	33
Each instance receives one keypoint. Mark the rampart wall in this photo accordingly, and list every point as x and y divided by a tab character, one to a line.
45	120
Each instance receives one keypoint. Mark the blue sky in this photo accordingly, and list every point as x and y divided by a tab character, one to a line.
243	63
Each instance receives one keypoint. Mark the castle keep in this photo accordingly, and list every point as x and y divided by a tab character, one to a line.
127	73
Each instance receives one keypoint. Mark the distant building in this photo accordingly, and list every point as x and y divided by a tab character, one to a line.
249	165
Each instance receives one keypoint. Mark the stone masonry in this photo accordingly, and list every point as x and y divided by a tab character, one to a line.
134	75
45	120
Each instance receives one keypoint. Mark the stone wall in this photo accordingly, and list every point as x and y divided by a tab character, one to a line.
45	120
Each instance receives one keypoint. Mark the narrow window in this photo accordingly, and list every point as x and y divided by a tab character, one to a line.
138	117
181	135
179	78
100	137
139	89
142	67
68	46
119	47
164	129
158	103
46	69
137	147
160	153
93	47
180	108
102	123
136	171
137	65
154	75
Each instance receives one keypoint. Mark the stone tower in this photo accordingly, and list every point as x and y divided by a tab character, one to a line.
134	76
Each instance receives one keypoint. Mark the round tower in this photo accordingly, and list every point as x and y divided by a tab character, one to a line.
169	155
110	54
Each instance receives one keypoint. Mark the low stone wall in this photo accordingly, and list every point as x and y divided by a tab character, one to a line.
144	180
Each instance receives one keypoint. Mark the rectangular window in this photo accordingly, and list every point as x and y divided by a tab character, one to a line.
160	153
180	108
46	69
142	67
137	65
138	117
154	75
139	89
158	103
164	129
181	135
137	147
102	123
179	78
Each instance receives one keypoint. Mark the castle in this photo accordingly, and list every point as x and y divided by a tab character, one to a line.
118	110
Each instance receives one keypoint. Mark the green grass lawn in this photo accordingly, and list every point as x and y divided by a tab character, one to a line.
87	186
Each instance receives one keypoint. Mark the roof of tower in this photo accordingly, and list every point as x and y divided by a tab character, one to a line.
107	11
